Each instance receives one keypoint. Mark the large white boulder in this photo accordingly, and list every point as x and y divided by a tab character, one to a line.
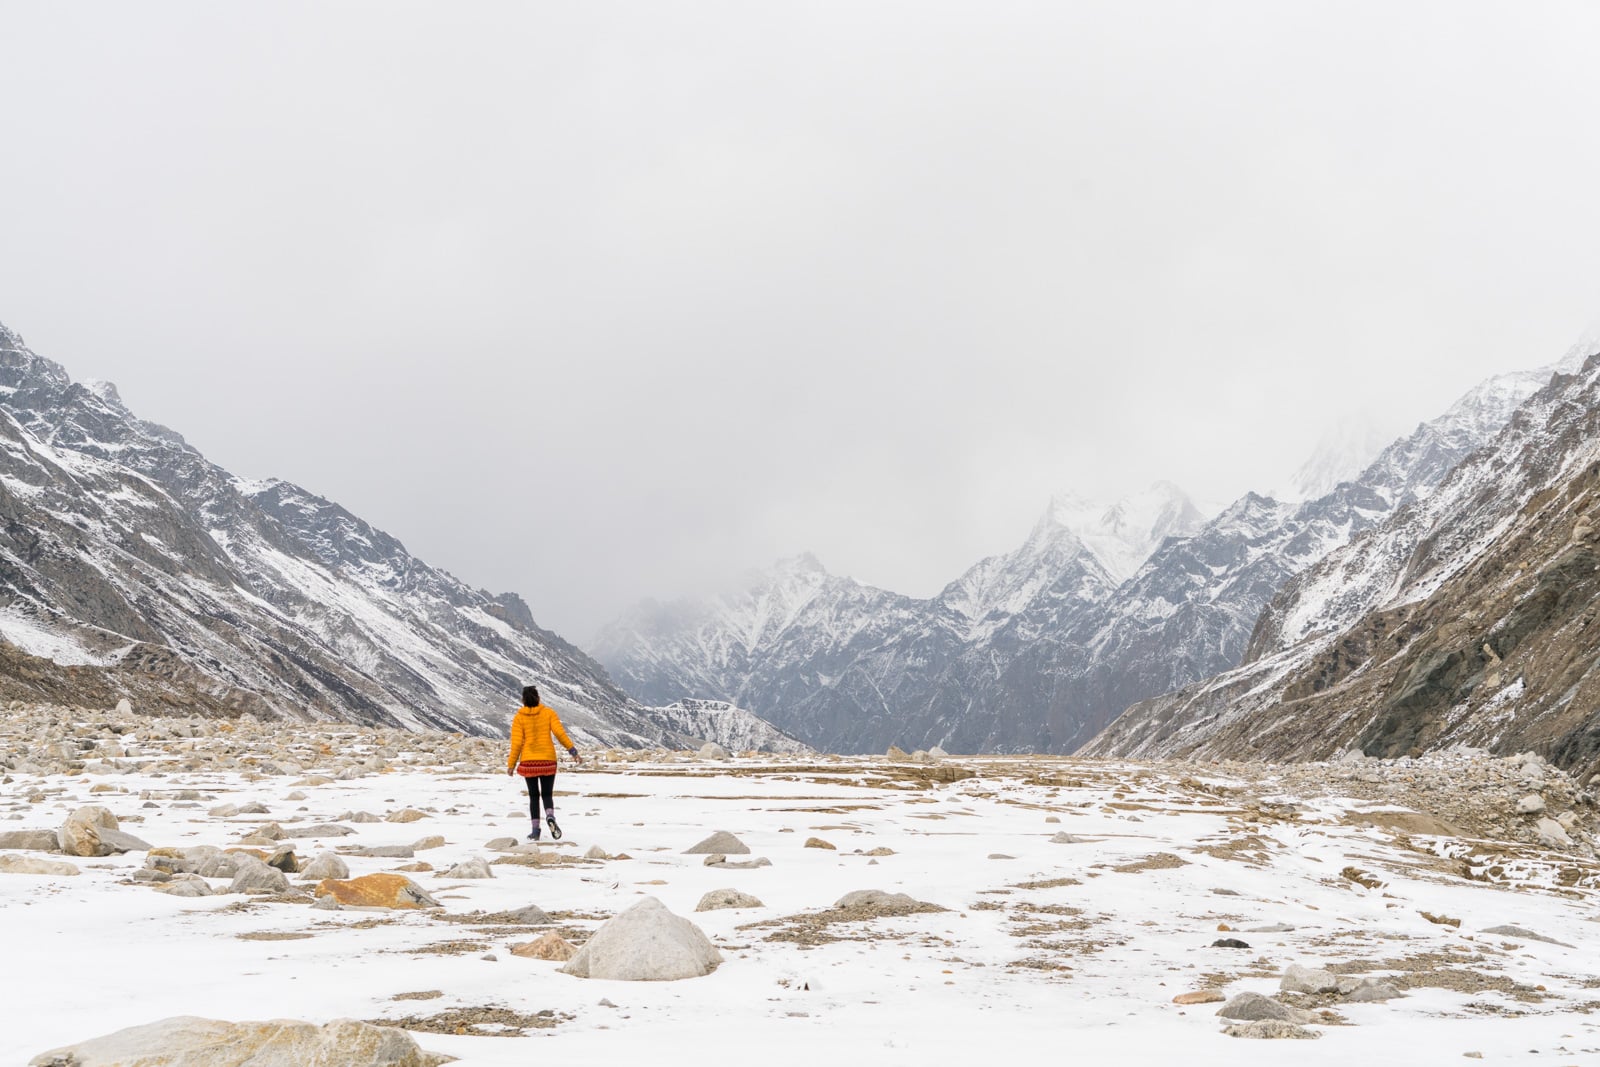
646	943
187	1041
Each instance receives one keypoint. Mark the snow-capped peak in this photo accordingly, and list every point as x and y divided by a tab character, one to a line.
1346	449
1122	535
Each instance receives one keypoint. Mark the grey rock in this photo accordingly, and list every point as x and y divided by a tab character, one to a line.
1551	834
388	852
646	943
718	899
1369	991
712	750
1524	934
34	840
1298	979
325	865
1250	1007
253	876
476	867
1531	804
502	844
720	843
185	885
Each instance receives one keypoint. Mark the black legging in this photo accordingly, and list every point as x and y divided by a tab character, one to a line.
544	784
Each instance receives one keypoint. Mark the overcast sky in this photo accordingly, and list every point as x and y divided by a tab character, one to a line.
597	301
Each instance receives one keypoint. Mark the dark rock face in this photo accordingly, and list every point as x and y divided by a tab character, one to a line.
1467	618
136	567
1037	650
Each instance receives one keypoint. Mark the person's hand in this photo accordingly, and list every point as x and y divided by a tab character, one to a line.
572	750
510	771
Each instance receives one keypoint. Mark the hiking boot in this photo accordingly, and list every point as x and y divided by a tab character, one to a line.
555	831
535	835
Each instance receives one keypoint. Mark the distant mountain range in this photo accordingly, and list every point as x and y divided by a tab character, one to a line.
1039	649
132	566
1470	617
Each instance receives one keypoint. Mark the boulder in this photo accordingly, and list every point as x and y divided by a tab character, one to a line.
426	843
1531	804
185	885
1251	1007
407	815
550	946
377	891
937	753
501	844
476	867
1271	1029
720	843
187	1041
817	842
712	750
1524	934
719	860
325	865
93	831
878	901
1369	991
596	853
284	860
1298	979
646	943
254	876
32	840
387	852
718	899
1551	834
1201	996
14	864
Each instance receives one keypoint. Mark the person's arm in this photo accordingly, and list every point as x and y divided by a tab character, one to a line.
561	733
516	744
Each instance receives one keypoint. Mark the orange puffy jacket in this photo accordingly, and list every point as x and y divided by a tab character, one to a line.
530	735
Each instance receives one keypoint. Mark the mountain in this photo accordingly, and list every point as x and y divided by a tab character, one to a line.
1465	618
847	667
132	566
1341	455
1041	648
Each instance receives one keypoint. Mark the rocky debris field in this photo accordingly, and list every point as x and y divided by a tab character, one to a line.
166	880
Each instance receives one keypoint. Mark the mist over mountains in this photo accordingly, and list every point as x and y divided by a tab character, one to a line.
1038	649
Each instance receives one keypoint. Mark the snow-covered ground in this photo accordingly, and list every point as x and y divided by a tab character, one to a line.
1069	952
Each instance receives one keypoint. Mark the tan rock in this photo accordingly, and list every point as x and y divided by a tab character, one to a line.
376	891
817	842
80	834
1202	996
548	946
10	863
187	1041
407	815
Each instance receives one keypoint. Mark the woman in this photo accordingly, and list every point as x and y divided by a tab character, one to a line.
533	756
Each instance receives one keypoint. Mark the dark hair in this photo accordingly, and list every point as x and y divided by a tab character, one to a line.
530	696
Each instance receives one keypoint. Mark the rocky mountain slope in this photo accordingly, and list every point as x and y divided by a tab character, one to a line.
131	565
1466	618
1038	649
